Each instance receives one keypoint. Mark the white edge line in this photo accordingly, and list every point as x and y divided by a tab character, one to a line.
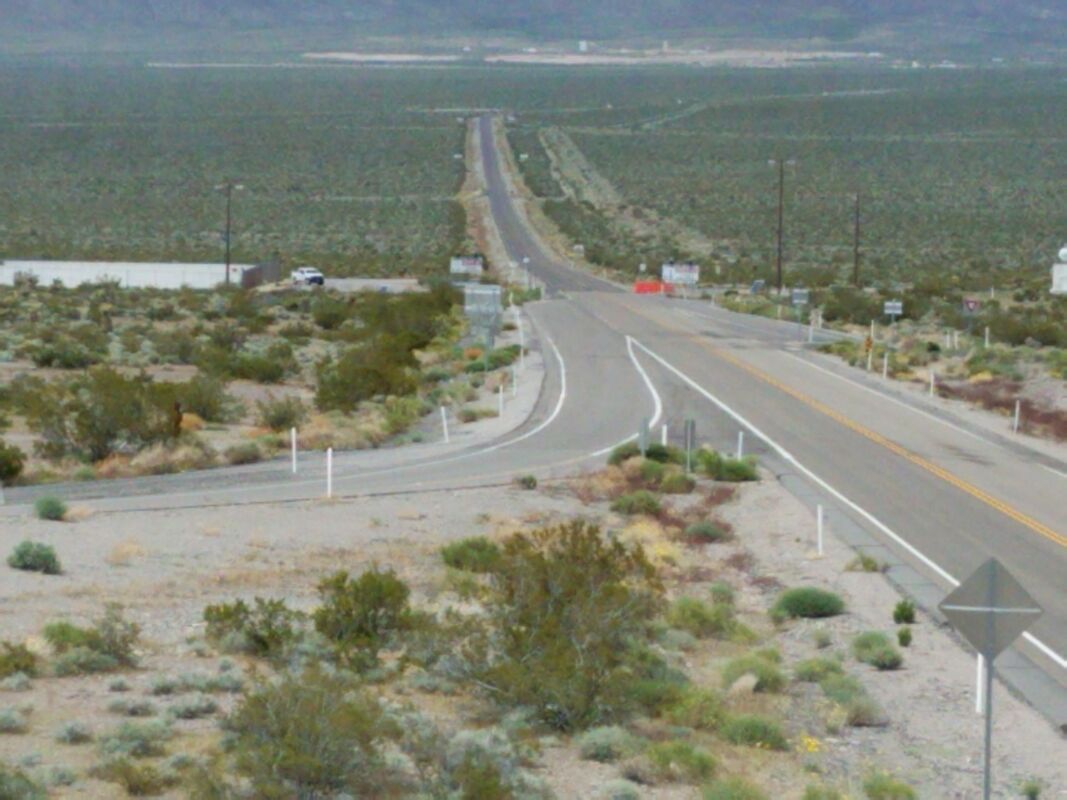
657	401
1053	471
788	457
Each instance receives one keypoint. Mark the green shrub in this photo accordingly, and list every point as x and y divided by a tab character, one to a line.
1031	789
280	414
546	646
639	502
606	744
624	452
732	789
619	789
768	677
34	557
701	619
137	740
701	709
206	397
754	731
12	721
874	648
244	453
708	532
528	482
17	785
728	470
883	786
132	708
12	462
904	637
266	629
361	616
864	712
313	735
680	761
904	613
475	554
664	454
865	563
384	368
651	473
16	658
821	793
193	708
676	483
722	593
841	688
83	661
74	733
807	602
50	508
139	780
815	670
109	643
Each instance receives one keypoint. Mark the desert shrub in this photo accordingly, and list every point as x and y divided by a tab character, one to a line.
904	637
139	780
13	721
754	731
280	414
329	312
701	709
701	619
676	483
1030	789
50	508
313	735
17	785
363	615
681	761
132	708
119	685
608	743
732	789
83	661
865	563
707	532
34	557
904	613
16	682
265	629
769	677
137	740
841	688
864	712
723	468
821	793
876	649
624	452
639	502
193	708
12	462
528	482
807	602
883	786
109	643
475	554
74	733
664	454
245	453
546	646
619	789
816	669
206	397
385	368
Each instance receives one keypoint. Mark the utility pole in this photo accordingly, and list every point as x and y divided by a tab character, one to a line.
856	246
229	187
781	164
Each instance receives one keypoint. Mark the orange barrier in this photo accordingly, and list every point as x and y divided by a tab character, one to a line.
651	287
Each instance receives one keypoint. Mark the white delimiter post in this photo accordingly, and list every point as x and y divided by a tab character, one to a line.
740	445
292	446
818	528
663	435
933	382
979	699
885	365
444	423
870	359
500	400
329	472
987	337
1018	415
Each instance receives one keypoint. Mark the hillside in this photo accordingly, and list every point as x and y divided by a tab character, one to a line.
951	21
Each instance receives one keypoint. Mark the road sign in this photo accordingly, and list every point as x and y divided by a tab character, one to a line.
758	286
681	274
971	305
800	297
990	609
894	308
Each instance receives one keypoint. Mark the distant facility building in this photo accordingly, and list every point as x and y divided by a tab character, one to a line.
137	275
467	267
583	46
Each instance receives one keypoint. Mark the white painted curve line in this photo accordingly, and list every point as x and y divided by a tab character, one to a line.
656	400
791	459
1053	471
893	400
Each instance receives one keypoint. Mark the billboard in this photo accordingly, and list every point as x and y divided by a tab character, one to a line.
682	274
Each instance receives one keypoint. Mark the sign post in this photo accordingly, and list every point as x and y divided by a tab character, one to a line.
991	610
690	443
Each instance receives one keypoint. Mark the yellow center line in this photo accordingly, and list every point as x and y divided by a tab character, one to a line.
867	433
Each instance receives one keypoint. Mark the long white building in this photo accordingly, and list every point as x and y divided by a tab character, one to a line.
133	275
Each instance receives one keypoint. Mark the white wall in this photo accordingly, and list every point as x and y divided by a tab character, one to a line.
130	275
1059	279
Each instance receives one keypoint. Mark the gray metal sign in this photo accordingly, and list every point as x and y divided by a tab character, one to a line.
800	297
990	609
893	308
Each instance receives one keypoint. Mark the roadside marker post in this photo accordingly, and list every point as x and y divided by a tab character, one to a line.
500	400
663	435
987	337
740	445
870	359
690	443
990	610
819	521
885	365
444	423
329	473
292	447
1018	414
933	383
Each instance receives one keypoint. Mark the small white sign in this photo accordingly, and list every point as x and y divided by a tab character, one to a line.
472	265
682	274
894	308
1059	279
800	297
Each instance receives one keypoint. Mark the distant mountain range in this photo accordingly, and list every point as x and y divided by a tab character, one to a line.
835	20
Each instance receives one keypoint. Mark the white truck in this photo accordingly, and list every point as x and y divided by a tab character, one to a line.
308	276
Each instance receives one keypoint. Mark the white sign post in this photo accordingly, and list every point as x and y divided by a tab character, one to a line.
292	446
329	472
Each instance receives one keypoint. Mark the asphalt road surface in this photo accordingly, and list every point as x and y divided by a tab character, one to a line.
934	494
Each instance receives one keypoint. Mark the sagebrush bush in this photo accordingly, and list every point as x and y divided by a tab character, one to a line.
726	469
244	453
35	557
317	734
807	602
707	532
13	721
363	615
265	629
640	502
875	648
732	789
883	786
619	789
701	709
109	643
137	740
754	731
769	677
676	483
864	712
904	637
74	733
12	462
475	554
280	414
701	619
137	779
815	669
83	661
624	452
681	761
17	785
904	613
132	708
193	708
607	743
546	646
50	508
